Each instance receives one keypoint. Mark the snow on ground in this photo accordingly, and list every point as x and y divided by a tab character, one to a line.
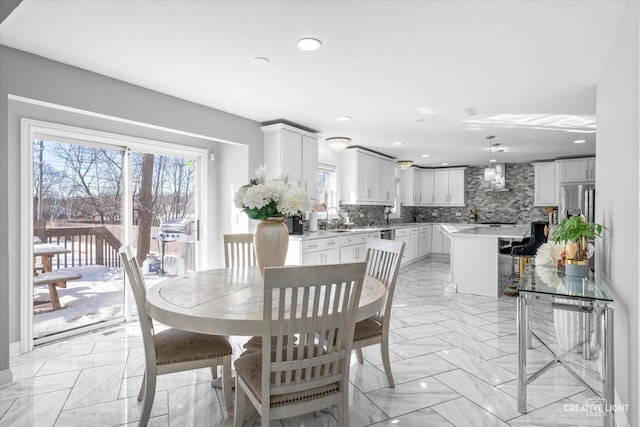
97	297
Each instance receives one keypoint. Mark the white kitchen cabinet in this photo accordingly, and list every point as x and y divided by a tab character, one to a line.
425	236
417	187
441	242
405	255
577	170
427	187
294	150
408	235
446	243
449	187
310	166
327	256
457	185
441	187
353	253
414	246
545	184
410	187
313	251
388	184
353	247
321	251
367	178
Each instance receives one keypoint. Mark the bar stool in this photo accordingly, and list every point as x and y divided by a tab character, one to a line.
526	252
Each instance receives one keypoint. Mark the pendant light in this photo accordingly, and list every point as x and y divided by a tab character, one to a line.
490	172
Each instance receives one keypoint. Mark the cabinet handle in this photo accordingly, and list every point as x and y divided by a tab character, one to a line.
331	243
586	174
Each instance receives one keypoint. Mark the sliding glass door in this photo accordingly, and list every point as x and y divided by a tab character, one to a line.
90	198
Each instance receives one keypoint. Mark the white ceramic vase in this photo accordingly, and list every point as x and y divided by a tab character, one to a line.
271	241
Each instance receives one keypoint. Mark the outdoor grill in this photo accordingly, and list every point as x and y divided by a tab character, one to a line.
176	230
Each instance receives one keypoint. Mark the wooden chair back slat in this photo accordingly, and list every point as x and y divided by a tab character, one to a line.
239	250
324	300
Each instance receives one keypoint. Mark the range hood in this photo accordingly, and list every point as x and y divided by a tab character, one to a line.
494	177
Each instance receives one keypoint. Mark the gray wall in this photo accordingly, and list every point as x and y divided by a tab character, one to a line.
617	199
34	77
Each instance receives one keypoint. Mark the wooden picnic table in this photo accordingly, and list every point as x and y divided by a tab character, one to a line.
47	251
53	279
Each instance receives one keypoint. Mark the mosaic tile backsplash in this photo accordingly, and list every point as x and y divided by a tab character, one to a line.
515	205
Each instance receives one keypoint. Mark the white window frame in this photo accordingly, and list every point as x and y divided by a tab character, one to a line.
396	212
333	214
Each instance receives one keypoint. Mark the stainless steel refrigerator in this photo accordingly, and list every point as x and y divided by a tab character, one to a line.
576	199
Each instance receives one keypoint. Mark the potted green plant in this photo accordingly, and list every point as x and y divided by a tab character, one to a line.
574	233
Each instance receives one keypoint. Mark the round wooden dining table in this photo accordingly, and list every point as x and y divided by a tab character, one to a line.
229	301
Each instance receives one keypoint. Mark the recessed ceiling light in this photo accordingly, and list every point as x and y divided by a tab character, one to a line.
259	60
425	155
397	143
343	118
579	141
445	164
309	44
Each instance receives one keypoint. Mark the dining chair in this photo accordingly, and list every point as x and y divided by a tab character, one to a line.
239	250
173	350
383	263
294	379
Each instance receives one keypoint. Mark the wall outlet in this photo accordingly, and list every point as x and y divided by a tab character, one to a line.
458	214
434	213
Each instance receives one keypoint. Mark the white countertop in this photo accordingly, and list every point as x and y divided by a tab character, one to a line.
508	232
447	227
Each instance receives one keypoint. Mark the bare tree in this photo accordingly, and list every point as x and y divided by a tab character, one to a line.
145	207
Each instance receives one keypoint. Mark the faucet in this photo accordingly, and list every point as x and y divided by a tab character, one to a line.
387	212
326	224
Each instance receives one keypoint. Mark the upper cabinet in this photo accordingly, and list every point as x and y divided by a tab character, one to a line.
433	187
367	178
295	150
577	170
545	184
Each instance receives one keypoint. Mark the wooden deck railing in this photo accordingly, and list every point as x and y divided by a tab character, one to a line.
89	246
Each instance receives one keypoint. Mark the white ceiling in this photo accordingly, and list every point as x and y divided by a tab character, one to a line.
439	76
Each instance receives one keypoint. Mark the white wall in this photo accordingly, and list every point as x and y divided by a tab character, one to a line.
618	197
33	77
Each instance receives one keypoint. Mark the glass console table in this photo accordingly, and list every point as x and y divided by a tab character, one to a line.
586	296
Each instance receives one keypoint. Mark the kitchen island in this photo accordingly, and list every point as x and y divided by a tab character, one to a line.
476	265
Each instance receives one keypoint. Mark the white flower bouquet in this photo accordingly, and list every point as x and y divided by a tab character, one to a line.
547	258
262	199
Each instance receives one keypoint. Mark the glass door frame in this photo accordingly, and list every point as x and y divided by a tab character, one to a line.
35	129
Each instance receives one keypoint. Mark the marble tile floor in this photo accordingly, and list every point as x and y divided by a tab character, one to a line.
453	359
